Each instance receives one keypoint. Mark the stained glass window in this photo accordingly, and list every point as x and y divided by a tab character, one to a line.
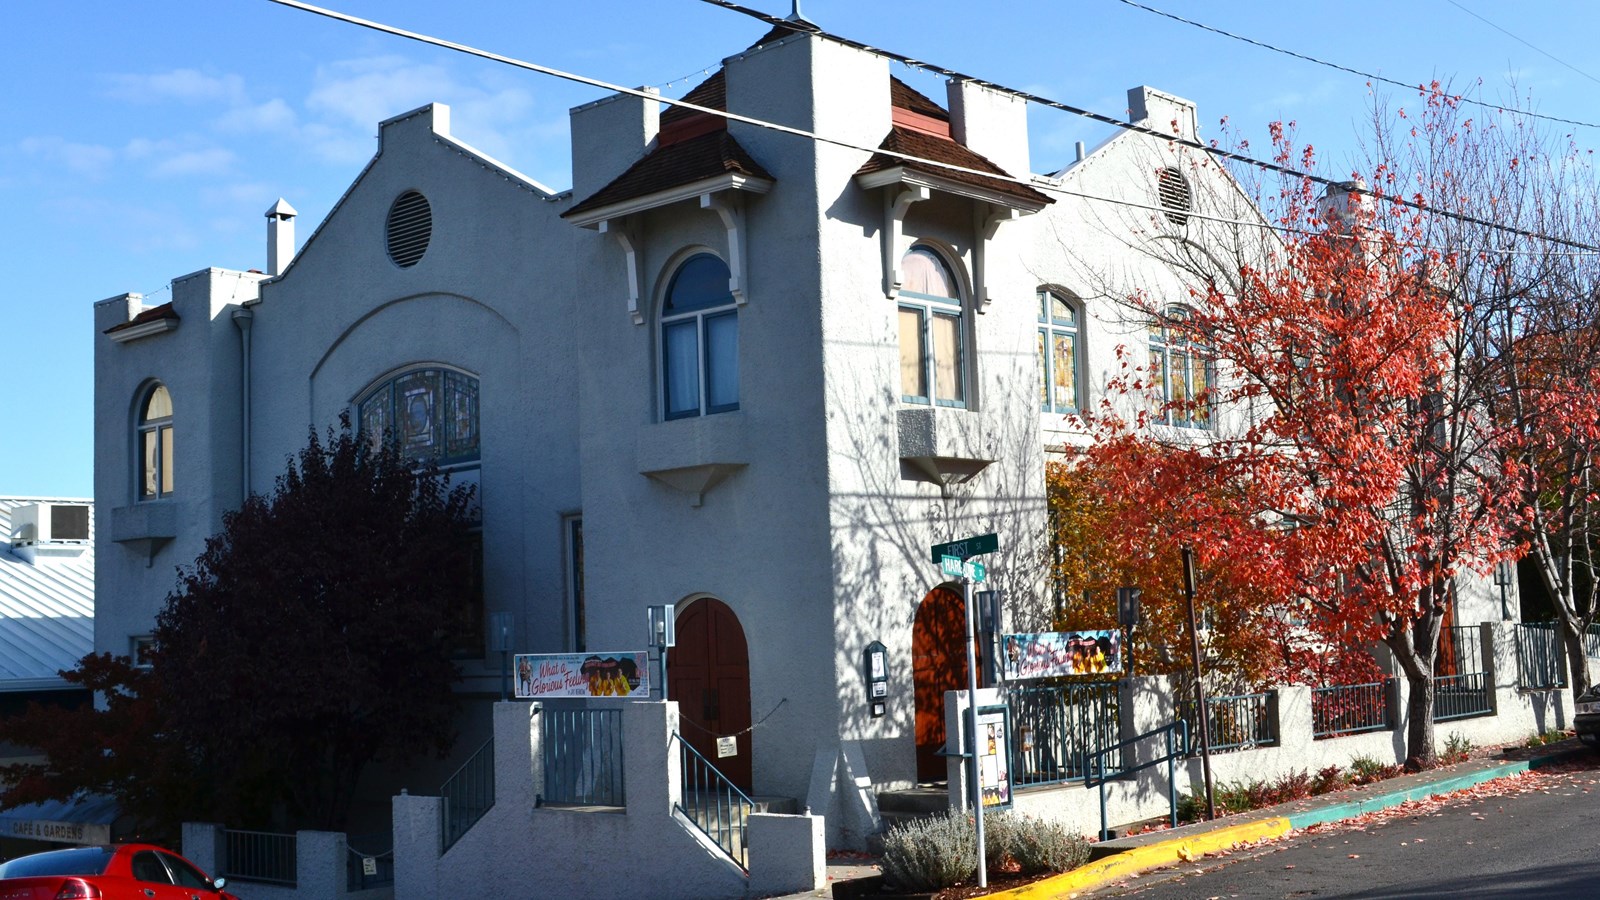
1058	354
428	413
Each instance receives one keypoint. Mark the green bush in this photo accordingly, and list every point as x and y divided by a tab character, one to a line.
1047	846
930	853
940	851
1456	749
1367	770
1549	737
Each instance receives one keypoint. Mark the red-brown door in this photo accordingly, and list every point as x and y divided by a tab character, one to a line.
708	673
938	664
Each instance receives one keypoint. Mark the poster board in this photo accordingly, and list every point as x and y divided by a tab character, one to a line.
1054	653
993	748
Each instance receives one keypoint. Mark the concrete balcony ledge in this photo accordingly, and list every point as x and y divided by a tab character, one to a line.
693	456
943	446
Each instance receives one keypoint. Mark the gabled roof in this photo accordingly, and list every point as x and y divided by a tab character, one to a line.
46	610
926	146
693	147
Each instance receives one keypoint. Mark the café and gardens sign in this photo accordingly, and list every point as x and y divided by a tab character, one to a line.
59	832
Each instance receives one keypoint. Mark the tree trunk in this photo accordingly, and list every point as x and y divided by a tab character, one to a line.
1418	669
1577	655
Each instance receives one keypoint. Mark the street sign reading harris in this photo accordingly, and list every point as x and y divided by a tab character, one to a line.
625	674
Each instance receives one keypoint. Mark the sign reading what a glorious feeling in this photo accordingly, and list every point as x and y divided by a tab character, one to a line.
625	674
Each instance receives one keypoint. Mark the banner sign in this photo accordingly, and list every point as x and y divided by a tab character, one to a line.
625	674
1052	653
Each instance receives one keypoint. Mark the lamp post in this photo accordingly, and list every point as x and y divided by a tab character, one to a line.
663	636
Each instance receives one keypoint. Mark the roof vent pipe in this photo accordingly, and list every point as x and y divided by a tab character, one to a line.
1080	151
280	237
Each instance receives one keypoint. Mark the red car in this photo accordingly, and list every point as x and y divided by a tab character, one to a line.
119	872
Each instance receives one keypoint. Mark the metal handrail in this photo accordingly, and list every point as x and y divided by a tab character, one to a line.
726	820
1096	774
467	794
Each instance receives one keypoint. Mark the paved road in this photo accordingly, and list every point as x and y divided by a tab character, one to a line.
1540	839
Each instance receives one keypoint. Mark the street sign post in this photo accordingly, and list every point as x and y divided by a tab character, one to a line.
952	558
966	548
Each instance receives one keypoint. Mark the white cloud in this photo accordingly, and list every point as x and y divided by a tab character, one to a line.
186	85
273	116
176	157
89	160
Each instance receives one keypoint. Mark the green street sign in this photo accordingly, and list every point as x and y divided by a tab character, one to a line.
966	548
956	567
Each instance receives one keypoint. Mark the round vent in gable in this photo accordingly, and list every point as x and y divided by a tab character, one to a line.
409	227
1173	190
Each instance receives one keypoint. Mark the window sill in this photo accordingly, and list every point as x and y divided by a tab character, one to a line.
942	445
693	455
145	527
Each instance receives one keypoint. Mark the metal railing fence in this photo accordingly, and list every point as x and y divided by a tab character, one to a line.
582	751
262	856
1591	642
1235	723
1058	726
1343	709
713	803
1539	656
1461	696
467	794
366	865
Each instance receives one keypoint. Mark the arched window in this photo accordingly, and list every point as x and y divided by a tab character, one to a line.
430	413
699	341
1060	351
155	443
1181	372
932	336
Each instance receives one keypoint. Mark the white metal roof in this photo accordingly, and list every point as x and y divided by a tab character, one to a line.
46	610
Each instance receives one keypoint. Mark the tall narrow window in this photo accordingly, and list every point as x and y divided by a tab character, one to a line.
932	334
699	341
1059	348
155	445
573	527
1181	372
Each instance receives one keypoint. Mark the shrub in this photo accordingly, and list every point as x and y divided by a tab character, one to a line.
1032	845
1367	770
1549	737
1329	779
930	853
1456	749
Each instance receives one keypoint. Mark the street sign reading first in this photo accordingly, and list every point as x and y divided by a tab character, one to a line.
966	548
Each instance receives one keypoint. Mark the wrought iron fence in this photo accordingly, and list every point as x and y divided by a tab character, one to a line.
468	794
367	866
1235	723
1461	696
1342	709
260	856
582	751
713	803
1058	726
1591	641
1539	656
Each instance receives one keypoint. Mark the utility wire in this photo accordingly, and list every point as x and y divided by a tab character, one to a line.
807	27
1369	75
1524	42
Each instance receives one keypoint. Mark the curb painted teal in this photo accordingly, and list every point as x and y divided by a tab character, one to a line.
1395	798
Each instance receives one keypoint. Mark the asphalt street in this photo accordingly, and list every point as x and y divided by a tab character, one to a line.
1534	836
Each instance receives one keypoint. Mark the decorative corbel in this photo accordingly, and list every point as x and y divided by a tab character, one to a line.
894	213
729	206
630	259
989	219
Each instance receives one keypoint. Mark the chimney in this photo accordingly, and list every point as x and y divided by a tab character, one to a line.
280	237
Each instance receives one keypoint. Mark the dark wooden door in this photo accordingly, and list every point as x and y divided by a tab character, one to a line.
708	673
938	664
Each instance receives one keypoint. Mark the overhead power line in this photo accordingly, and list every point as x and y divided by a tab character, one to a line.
1524	42
1369	75
807	27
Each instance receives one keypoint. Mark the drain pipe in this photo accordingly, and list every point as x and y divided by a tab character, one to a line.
243	317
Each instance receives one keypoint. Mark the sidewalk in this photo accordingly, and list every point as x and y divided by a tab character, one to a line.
1152	850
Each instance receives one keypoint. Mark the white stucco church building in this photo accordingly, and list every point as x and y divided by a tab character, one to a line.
746	373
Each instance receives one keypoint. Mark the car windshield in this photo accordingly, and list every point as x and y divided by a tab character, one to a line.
77	861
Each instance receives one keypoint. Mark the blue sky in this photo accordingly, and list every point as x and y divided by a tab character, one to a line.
141	142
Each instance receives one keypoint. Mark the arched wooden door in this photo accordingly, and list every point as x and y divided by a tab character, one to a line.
938	664
708	673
